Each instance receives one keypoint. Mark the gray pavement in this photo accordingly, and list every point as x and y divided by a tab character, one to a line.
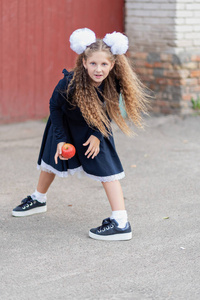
50	256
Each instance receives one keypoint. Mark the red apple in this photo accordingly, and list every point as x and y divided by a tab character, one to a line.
68	150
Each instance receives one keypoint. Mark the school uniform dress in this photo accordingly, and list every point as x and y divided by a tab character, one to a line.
66	124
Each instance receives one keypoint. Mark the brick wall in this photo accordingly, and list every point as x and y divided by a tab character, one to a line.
164	38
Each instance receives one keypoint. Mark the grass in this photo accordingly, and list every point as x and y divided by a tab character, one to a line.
196	104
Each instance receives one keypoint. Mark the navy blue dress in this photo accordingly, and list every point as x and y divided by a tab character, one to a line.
66	124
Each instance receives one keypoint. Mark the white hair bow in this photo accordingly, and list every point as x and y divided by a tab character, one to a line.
80	39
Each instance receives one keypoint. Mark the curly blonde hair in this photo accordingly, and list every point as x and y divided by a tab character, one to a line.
98	114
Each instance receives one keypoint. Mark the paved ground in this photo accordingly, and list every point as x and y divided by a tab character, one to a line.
50	256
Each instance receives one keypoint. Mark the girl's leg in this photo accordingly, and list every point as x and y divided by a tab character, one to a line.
111	230
44	182
115	195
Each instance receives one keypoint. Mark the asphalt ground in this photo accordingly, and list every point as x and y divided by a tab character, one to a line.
50	256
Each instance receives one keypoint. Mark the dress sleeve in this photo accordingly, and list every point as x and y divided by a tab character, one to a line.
56	113
97	133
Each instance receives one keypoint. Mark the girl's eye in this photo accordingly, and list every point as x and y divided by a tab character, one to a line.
92	63
104	64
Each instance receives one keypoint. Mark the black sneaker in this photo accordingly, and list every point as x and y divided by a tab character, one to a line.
109	231
29	207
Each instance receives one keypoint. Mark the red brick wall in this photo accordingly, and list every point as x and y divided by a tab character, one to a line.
174	79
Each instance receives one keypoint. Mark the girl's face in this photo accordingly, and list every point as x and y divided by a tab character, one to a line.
98	66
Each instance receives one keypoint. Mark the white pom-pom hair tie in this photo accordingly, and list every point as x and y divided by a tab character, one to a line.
80	39
117	42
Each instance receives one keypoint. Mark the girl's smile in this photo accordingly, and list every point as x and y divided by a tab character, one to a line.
98	66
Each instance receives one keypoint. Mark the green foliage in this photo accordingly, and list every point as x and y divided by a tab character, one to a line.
196	103
45	119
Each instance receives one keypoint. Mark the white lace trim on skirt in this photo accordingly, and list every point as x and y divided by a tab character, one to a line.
79	171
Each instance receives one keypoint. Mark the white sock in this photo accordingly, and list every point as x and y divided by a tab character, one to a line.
39	196
121	217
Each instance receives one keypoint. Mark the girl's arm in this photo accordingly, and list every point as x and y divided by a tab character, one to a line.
56	113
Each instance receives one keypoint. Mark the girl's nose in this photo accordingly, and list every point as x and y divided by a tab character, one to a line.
98	68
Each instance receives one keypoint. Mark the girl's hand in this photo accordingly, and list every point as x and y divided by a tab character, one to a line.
59	153
93	148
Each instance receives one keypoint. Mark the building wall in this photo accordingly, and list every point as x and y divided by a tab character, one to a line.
34	48
165	47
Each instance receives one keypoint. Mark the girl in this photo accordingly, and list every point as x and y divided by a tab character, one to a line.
81	109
